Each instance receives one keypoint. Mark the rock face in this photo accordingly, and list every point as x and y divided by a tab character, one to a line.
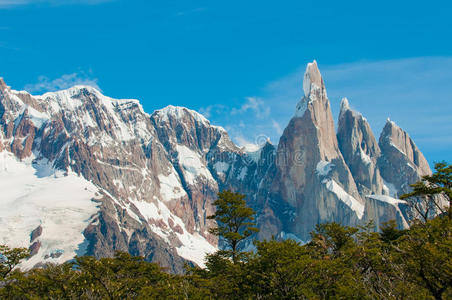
88	174
312	179
360	150
362	153
401	162
152	203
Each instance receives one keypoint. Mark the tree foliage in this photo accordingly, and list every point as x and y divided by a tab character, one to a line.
424	197
338	263
10	258
234	221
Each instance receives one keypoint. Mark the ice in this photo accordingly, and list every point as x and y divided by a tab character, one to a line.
351	202
301	107
390	189
324	168
364	157
33	197
192	165
312	78
387	199
394	202
194	246
221	167
170	186
242	173
179	112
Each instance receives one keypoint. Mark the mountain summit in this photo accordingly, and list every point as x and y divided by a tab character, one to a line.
83	173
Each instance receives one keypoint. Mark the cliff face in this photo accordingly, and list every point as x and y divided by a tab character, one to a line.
145	207
360	150
88	174
401	162
312	179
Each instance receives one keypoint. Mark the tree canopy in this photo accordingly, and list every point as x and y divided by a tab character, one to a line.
234	221
429	193
339	262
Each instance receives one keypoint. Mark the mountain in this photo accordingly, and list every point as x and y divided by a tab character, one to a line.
312	180
87	174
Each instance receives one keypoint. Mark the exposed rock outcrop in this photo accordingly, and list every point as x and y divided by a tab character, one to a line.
401	162
312	177
147	182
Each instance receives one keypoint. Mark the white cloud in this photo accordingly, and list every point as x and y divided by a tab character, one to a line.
277	127
247	144
258	106
66	81
214	109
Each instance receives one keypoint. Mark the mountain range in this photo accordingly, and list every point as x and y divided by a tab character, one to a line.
82	173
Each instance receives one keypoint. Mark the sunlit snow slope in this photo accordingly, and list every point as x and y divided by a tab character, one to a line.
35	195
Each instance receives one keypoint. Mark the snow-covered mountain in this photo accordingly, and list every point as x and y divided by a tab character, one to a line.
82	173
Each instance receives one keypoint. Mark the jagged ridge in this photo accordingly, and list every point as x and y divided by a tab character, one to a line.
153	178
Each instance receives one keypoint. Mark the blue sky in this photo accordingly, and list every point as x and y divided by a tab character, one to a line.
241	62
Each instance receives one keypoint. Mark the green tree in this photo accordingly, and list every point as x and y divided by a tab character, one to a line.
423	254
234	221
280	270
428	189
123	276
50	282
10	258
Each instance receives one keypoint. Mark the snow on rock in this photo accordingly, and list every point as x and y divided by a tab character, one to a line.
324	168
179	112
394	202
38	118
312	82
221	167
312	78
364	157
387	199
194	246
73	100
344	104
390	188
301	107
242	173
351	202
192	165
170	186
32	197
254	155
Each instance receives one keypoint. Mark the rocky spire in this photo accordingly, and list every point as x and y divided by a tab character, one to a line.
312	79
345	106
312	176
401	162
359	149
313	87
2	83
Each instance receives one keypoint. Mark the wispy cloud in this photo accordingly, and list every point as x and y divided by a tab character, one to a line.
16	3
44	84
277	127
256	105
7	46
214	109
416	93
